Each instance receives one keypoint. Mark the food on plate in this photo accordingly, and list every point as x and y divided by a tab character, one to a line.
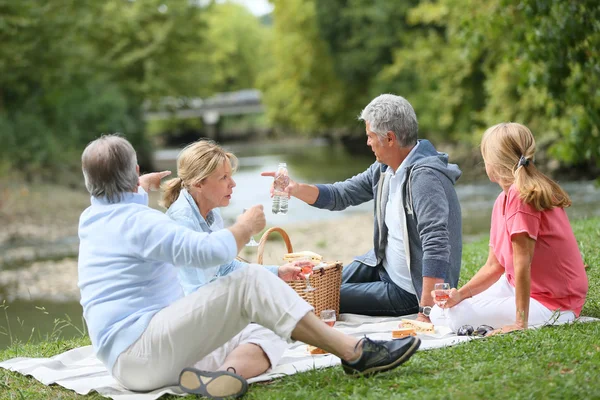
419	326
403	332
315	350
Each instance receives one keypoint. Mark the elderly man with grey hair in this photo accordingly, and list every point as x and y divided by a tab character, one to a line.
417	233
143	328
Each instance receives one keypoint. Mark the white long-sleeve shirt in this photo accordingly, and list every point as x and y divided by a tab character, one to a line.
126	274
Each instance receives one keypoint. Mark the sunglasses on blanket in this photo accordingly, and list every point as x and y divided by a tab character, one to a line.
467	330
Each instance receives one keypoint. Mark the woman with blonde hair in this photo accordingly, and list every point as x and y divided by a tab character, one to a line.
534	273
204	183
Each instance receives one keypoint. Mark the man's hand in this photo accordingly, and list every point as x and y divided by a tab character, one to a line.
455	298
290	189
151	181
253	219
290	272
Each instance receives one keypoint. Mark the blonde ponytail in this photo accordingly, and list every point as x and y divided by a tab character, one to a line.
171	190
509	149
538	190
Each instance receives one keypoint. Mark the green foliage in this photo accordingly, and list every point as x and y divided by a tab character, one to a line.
300	88
361	36
235	49
530	61
70	70
463	64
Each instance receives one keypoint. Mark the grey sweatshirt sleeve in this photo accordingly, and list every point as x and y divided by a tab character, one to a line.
431	211
351	192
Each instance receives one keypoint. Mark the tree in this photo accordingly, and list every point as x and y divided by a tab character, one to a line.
235	49
70	70
300	88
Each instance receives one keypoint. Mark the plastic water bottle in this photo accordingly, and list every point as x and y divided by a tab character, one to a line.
280	198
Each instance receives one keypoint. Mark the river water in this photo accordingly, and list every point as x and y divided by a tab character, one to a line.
309	162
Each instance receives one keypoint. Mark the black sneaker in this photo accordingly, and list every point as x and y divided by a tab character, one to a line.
379	355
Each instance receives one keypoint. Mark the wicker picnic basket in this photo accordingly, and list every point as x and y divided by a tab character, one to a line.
327	279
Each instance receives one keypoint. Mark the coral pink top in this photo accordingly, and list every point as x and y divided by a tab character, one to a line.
558	278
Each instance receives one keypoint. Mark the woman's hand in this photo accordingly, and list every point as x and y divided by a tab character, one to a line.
290	272
455	298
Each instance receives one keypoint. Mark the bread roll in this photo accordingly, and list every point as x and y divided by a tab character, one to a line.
314	257
417	325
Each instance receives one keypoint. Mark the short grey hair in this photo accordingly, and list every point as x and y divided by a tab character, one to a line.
388	112
109	167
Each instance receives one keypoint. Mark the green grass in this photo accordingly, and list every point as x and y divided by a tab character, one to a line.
559	362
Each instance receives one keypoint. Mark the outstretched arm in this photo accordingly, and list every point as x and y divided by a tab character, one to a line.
302	191
336	196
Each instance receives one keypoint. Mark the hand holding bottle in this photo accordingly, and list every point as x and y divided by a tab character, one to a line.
280	189
302	191
289	189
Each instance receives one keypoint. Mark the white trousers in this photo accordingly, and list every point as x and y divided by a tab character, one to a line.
496	307
193	327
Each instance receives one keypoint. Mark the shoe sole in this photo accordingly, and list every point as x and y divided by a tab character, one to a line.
382	368
214	385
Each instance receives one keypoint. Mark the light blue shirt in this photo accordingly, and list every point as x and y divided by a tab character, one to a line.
184	211
126	273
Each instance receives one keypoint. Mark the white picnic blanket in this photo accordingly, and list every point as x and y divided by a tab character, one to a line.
79	369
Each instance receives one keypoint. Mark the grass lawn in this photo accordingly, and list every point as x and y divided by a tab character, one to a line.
560	362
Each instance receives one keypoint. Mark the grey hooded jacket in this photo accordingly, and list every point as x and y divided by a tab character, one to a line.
433	216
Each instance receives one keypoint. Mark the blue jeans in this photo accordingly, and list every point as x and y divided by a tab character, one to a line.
370	291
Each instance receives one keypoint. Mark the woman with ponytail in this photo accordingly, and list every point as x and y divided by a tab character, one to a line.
204	183
534	273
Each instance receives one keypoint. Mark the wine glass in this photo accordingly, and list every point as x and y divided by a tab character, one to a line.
251	242
442	294
307	270
328	316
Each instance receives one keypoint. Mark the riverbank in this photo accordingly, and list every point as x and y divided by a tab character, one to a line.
38	240
57	279
39	244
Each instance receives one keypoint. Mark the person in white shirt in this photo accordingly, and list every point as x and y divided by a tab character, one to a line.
147	333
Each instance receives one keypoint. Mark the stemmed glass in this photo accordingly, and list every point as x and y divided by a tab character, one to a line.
251	242
307	271
442	294
328	316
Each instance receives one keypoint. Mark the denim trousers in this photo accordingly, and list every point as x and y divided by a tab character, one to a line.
369	290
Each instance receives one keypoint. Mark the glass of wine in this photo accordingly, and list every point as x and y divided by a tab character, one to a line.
328	316
442	294
251	242
307	270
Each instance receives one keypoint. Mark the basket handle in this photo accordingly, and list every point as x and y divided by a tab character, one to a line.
263	241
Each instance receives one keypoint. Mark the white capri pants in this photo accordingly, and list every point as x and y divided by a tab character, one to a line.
266	339
496	307
184	333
